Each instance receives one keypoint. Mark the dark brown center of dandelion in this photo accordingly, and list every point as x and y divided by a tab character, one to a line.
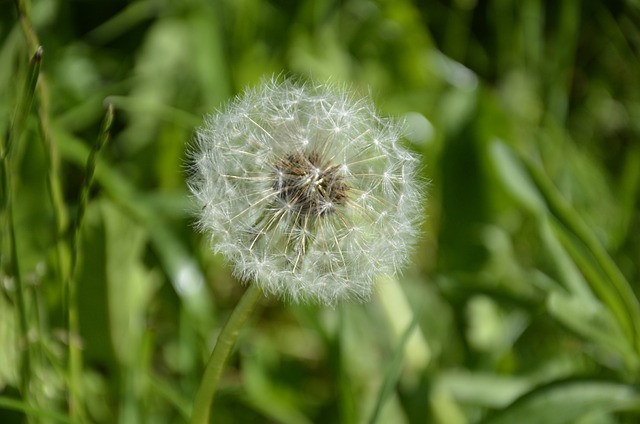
308	186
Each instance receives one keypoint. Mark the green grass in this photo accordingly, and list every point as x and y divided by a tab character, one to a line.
520	303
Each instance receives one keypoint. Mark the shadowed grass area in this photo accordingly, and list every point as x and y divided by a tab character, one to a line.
519	305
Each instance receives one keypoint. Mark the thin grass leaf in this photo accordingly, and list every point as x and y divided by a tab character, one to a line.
170	394
568	271
600	286
594	322
346	396
54	183
163	112
628	311
627	193
8	193
560	58
567	401
25	101
532	189
24	16
185	275
393	372
131	16
71	306
45	416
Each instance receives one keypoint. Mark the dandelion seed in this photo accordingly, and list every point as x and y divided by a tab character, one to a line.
306	191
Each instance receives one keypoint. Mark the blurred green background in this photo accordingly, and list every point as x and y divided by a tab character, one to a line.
523	288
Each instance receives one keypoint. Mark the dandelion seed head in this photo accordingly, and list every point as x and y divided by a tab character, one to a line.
307	191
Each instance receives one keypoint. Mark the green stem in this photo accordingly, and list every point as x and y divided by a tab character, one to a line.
226	340
7	170
70	295
392	375
53	181
54	184
24	17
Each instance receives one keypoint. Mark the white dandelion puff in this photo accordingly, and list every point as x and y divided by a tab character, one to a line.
307	191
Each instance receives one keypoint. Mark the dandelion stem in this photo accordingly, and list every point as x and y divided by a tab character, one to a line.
226	340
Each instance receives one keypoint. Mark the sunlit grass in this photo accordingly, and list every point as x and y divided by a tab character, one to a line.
523	291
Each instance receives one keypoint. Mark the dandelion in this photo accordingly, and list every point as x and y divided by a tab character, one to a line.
307	191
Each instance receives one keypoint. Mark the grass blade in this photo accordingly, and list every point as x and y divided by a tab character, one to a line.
8	190
73	330
47	416
393	372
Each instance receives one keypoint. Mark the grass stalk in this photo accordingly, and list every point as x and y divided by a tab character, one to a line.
226	340
24	16
8	168
54	185
53	182
393	372
70	295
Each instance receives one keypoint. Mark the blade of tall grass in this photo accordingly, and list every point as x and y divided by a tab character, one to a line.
54	185
45	416
560	57
24	17
132	15
393	372
543	199
83	115
399	313
568	271
595	323
8	190
628	192
170	394
567	402
70	295
184	274
168	113
345	388
629	310
26	100
532	30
